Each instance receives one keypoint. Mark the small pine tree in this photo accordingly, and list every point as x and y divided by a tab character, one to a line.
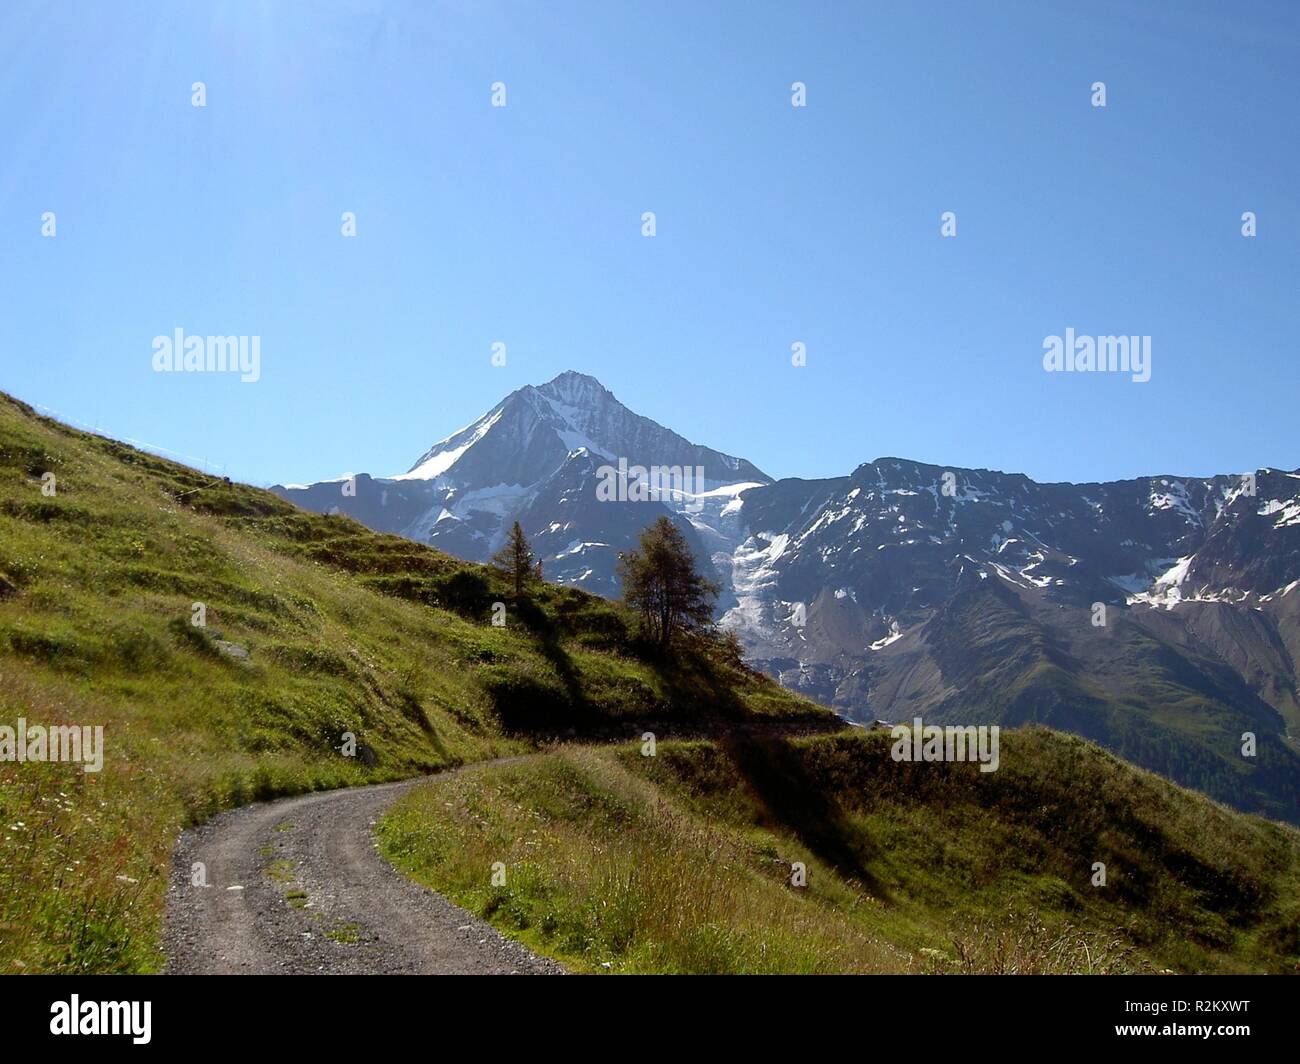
516	559
661	582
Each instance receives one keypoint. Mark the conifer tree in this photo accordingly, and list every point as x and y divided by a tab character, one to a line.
515	559
661	582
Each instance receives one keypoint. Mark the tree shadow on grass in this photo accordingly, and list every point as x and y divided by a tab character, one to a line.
529	707
549	642
797	801
696	698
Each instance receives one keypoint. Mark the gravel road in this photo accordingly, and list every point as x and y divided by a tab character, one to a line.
297	886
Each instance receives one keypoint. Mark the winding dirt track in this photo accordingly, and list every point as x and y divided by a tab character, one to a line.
297	886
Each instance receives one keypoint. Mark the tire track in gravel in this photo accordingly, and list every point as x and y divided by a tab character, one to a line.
355	913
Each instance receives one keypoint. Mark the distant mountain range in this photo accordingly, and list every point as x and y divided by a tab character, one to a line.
1158	616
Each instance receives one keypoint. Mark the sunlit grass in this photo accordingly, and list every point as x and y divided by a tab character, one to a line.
682	862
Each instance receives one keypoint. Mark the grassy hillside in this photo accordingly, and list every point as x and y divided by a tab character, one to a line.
682	861
315	627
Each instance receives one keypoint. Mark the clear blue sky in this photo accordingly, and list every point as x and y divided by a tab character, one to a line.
479	224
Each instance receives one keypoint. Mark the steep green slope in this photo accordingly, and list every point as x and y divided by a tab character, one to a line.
682	861
316	628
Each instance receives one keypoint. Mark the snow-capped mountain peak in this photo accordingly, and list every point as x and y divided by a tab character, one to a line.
536	457
443	455
577	391
530	433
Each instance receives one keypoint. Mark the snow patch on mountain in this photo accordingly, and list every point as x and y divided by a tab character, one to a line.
1289	511
895	634
1167	589
752	575
1175	497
